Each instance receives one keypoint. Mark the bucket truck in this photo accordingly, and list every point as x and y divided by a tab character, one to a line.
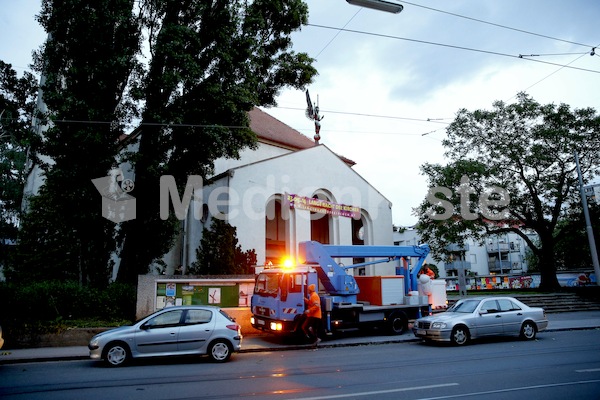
348	302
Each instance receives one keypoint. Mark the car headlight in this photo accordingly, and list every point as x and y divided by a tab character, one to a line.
438	325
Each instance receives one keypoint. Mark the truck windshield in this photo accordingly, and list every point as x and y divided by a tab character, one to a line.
267	284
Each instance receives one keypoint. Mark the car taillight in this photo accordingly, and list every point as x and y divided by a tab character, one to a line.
234	327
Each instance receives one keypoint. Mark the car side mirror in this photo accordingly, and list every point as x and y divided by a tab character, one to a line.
481	312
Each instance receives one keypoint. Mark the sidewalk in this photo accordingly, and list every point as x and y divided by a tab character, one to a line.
251	344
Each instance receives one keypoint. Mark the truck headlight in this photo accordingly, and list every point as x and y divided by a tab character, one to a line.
438	325
276	326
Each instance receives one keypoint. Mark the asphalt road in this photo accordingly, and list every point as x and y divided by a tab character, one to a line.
558	365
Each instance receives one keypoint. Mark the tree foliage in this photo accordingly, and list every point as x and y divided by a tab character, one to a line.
511	169
17	110
220	254
184	73
572	252
211	63
86	64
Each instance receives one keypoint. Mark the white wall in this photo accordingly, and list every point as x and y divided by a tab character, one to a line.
249	156
303	173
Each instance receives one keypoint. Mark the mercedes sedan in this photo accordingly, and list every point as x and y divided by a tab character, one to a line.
477	317
172	331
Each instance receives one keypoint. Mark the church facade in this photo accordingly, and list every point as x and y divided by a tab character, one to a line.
287	190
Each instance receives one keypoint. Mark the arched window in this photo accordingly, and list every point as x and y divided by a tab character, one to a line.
275	232
320	225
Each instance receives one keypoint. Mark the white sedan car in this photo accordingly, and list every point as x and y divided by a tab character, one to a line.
172	331
472	318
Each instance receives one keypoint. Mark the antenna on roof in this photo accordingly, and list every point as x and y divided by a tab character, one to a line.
312	113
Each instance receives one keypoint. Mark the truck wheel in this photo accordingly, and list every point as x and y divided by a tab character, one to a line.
397	324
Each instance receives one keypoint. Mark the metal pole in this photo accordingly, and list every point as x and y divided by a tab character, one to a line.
499	254
588	224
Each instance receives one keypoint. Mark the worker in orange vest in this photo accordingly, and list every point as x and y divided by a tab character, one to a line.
427	271
312	324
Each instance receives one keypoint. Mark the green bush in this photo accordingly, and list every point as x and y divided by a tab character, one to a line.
52	306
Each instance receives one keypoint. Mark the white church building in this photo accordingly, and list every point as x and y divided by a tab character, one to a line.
287	190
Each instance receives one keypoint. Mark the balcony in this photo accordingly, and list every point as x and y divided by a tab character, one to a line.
455	248
505	266
511	247
455	265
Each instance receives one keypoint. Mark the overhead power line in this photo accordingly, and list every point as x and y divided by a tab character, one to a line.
433	120
497	25
552	54
338	32
549	75
450	46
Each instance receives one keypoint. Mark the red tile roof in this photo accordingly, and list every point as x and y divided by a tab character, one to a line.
272	130
268	129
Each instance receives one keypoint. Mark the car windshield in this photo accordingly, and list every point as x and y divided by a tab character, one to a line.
464	306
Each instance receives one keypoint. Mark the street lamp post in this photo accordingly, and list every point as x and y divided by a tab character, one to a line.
380	5
588	223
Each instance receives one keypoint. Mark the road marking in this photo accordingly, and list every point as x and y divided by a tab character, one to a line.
513	389
376	392
588	370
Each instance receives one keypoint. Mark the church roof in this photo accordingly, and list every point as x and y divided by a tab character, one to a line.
270	130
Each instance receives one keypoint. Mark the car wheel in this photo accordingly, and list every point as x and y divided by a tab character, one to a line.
460	335
116	354
397	324
219	351
528	330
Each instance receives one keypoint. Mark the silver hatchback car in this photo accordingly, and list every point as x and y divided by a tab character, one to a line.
472	318
173	331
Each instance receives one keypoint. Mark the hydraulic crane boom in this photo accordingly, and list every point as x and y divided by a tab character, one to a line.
338	282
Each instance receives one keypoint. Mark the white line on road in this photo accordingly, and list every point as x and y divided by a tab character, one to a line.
513	389
376	392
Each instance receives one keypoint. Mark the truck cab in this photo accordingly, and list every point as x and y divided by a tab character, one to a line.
277	303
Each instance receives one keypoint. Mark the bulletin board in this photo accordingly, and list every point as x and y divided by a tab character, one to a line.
195	293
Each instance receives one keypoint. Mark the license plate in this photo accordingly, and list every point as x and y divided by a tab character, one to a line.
260	322
421	332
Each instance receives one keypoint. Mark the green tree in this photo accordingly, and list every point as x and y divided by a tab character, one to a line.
206	64
86	64
573	251
520	156
17	106
211	62
220	254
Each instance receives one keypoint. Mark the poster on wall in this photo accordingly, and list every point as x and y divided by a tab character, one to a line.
171	289
214	296
245	291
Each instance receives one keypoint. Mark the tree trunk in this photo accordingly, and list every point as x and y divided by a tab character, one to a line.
549	281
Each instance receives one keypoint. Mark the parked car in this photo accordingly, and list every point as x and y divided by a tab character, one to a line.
172	331
472	318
